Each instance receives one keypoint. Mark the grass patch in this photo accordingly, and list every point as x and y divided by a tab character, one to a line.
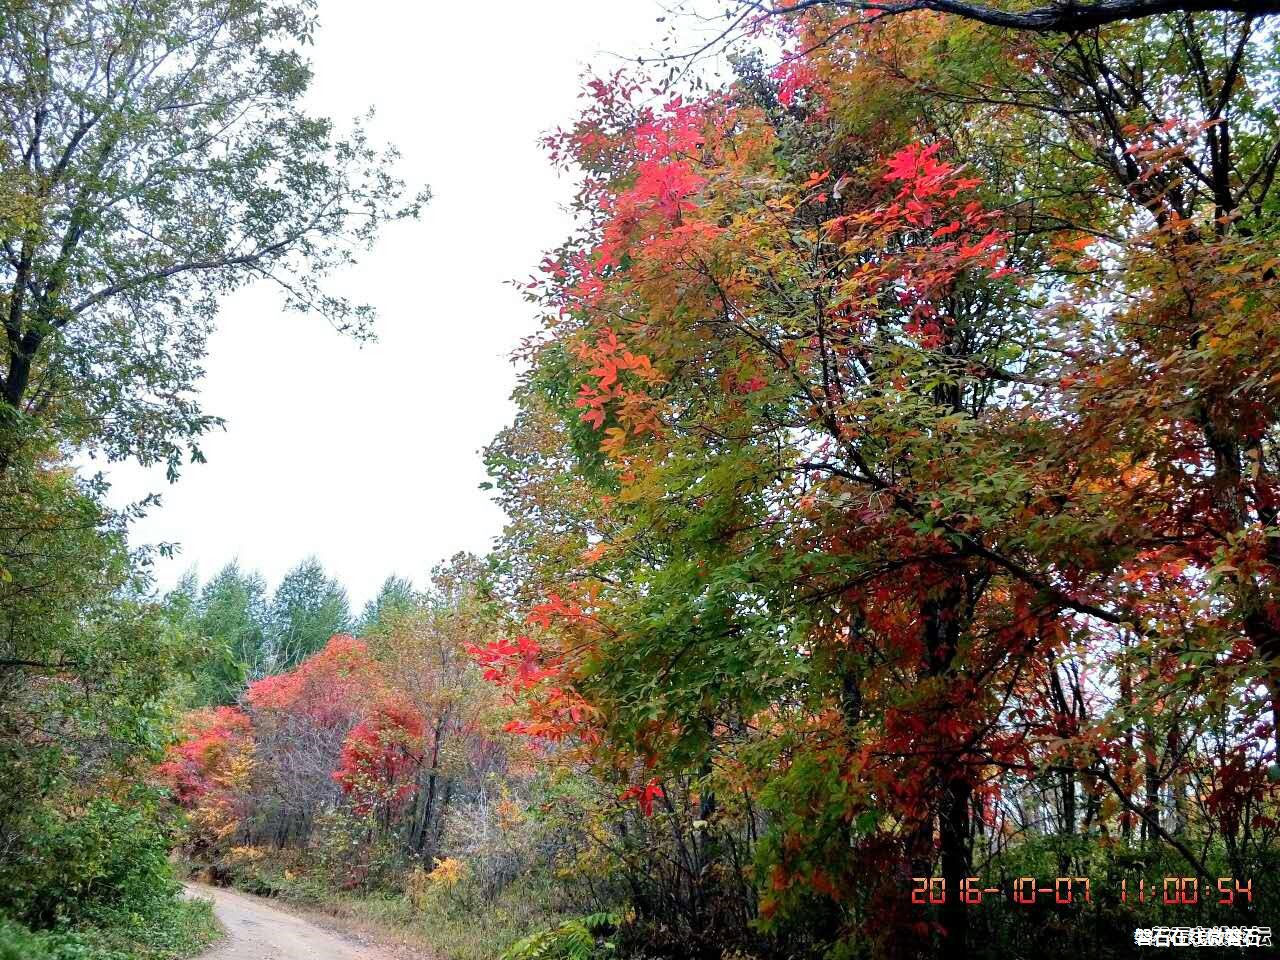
456	925
181	930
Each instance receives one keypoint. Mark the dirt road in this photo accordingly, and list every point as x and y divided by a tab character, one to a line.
258	931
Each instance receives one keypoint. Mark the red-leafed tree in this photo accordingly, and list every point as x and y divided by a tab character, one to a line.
330	688
301	719
210	773
380	759
212	739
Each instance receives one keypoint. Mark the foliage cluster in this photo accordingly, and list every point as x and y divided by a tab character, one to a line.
242	634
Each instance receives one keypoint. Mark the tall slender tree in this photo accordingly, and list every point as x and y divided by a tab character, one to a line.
307	608
395	597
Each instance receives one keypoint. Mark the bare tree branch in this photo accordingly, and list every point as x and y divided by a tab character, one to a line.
1065	17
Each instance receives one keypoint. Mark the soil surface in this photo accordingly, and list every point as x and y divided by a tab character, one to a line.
258	930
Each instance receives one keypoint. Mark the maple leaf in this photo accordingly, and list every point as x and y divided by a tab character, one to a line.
645	795
816	178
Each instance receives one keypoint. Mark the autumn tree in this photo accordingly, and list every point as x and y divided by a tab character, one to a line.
209	771
1167	137
423	647
380	756
884	501
1049	18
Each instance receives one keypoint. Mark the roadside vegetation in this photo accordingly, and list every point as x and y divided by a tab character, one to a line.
177	928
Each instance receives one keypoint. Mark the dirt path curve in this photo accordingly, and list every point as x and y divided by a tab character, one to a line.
256	930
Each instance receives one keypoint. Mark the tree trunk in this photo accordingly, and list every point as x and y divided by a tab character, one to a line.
942	626
1127	764
956	854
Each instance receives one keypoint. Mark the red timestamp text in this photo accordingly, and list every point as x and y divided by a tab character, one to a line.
1028	891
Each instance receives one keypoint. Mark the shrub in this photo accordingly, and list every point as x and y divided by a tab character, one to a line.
18	943
346	849
98	861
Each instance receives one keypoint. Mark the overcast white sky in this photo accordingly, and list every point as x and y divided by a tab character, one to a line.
368	456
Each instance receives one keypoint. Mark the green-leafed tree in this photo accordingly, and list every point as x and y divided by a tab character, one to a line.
180	607
307	609
396	597
232	625
156	156
86	666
